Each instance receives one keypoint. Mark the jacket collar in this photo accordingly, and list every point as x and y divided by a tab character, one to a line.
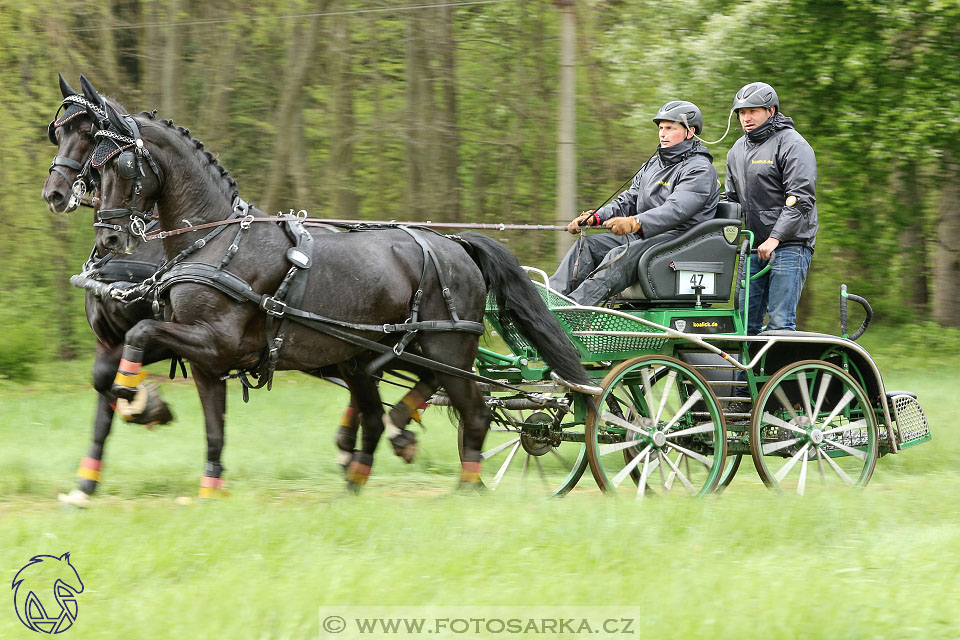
678	152
777	123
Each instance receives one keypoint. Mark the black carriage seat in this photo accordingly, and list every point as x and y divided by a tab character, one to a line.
705	254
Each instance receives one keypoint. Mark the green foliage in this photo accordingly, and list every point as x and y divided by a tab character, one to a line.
20	346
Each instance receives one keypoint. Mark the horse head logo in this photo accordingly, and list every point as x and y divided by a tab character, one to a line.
37	578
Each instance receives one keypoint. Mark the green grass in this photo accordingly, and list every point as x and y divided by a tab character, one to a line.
876	563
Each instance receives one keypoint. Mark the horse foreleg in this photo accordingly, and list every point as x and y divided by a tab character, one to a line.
365	395
347	434
213	399
403	440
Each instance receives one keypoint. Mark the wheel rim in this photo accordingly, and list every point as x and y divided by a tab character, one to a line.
813	428
669	436
540	448
729	471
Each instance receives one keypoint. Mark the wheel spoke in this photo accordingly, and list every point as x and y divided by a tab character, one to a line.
630	466
669	483
822	393
620	422
505	465
782	397
823	476
647	387
693	399
705	461
856	425
839	445
617	446
802	482
785	469
844	401
554	451
486	455
770	447
843	476
543	475
667	388
526	466
627	398
705	427
777	422
682	477
805	394
644	474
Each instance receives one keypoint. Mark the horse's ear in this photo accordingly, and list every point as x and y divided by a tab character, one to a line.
117	120
65	88
89	92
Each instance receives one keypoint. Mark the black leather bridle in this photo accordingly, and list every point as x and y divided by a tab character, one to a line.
131	156
85	182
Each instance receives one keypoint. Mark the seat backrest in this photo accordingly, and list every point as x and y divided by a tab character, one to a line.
705	255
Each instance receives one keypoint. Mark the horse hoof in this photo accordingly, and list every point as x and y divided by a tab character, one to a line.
405	445
354	488
343	459
88	487
75	498
146	408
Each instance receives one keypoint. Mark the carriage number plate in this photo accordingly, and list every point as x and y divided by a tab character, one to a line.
690	279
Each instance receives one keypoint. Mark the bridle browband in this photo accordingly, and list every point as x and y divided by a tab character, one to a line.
130	154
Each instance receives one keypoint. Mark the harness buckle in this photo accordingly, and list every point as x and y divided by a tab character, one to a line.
273	306
246	222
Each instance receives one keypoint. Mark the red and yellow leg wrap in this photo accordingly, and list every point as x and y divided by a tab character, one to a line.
129	379
358	473
350	418
415	403
213	488
469	472
89	469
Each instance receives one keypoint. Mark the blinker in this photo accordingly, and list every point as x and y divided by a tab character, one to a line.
127	165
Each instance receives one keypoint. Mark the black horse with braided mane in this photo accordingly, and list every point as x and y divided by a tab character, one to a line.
243	291
72	130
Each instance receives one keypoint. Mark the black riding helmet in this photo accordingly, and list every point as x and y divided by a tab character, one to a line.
756	94
682	111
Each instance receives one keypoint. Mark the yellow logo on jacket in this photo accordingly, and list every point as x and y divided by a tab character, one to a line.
666	184
761	161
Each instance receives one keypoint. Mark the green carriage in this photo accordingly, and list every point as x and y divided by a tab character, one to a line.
686	393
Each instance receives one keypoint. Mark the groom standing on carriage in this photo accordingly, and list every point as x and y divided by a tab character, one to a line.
674	190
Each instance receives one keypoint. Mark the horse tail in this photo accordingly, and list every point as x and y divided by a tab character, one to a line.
520	302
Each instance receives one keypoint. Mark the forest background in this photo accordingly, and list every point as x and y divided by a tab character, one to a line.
448	111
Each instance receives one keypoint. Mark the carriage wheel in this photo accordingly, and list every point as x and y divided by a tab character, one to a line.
539	448
729	471
813	428
660	425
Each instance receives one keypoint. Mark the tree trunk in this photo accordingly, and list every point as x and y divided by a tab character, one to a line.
946	302
171	80
449	152
300	57
344	125
419	105
566	132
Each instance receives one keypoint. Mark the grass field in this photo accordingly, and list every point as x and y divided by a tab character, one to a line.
873	563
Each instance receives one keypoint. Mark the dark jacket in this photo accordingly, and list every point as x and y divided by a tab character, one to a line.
676	189
766	167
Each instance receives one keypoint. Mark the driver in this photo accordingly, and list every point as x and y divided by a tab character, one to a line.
674	190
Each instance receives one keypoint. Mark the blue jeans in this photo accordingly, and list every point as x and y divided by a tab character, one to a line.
776	293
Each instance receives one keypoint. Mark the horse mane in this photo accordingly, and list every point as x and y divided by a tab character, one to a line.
208	158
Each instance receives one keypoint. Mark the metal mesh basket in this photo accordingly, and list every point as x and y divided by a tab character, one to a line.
909	418
587	319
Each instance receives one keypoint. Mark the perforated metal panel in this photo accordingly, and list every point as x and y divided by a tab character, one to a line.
911	421
590	320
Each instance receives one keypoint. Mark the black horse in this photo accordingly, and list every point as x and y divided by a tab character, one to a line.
355	284
72	130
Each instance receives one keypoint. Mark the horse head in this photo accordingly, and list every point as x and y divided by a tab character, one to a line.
131	182
72	131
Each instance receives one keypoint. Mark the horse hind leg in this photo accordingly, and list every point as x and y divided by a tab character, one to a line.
466	398
347	434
